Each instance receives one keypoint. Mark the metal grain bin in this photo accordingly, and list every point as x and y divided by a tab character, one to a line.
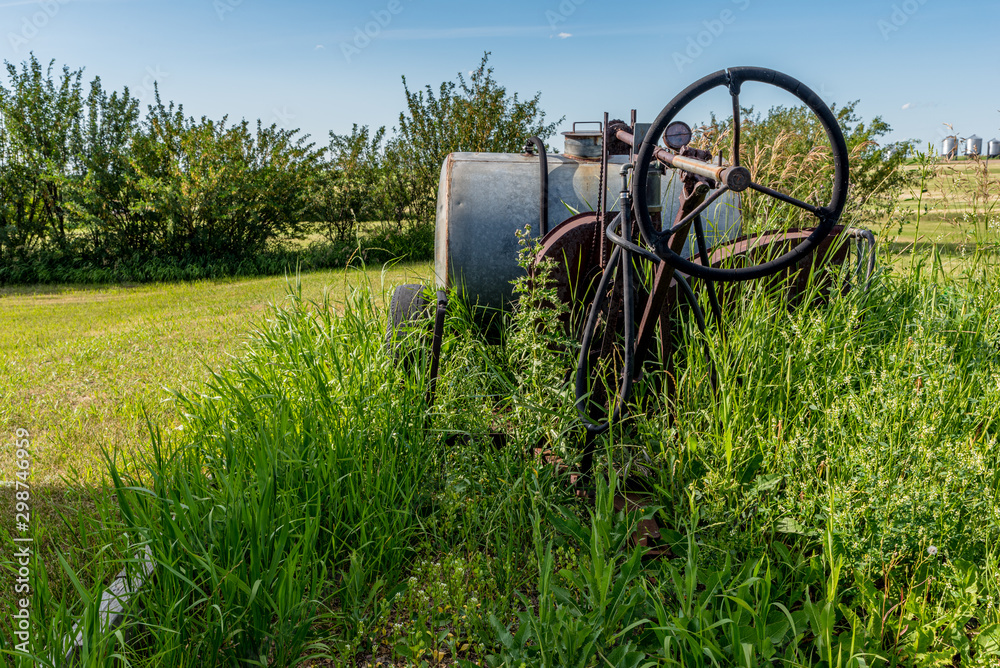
993	148
949	147
484	198
974	145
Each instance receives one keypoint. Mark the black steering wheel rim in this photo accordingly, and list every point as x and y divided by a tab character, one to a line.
733	79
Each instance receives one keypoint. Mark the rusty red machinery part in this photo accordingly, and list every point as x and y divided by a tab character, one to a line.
574	255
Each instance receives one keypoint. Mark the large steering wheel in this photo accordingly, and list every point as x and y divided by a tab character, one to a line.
736	177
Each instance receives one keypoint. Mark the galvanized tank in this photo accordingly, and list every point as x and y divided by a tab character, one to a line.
583	143
484	198
974	145
993	148
949	147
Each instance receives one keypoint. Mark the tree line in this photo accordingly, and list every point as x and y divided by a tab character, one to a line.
93	188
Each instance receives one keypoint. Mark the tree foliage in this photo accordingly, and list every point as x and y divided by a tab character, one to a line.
87	178
371	175
39	122
468	115
216	189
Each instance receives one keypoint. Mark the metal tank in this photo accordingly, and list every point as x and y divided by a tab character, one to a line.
974	145
485	198
993	148
583	143
949	147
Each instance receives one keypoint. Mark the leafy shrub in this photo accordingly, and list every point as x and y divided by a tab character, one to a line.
219	190
473	115
39	123
345	188
90	190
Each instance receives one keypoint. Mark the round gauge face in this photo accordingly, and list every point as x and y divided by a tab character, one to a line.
677	135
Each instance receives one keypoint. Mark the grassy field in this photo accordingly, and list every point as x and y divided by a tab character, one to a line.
960	197
833	503
82	368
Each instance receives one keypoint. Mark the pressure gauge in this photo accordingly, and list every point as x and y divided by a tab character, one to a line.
677	135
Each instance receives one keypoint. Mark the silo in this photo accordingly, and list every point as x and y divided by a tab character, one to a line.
974	145
993	148
949	147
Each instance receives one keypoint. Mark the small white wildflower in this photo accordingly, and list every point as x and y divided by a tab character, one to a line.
932	550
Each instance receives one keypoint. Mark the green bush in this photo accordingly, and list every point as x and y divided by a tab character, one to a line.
221	191
473	115
40	118
92	190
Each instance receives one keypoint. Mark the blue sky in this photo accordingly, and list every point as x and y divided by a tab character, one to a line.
322	66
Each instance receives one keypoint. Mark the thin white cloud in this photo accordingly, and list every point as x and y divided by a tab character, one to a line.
907	105
464	33
474	32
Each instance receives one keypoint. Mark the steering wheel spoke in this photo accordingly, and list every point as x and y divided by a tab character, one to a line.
736	126
788	199
698	210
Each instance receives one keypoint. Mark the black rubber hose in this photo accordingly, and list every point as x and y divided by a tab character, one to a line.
699	317
612	234
543	179
589	329
692	300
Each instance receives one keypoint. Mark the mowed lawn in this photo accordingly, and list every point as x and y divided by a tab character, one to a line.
82	367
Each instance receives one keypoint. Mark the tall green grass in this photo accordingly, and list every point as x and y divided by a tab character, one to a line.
861	430
833	503
305	458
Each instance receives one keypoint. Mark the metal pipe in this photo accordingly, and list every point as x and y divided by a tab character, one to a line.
734	176
543	180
